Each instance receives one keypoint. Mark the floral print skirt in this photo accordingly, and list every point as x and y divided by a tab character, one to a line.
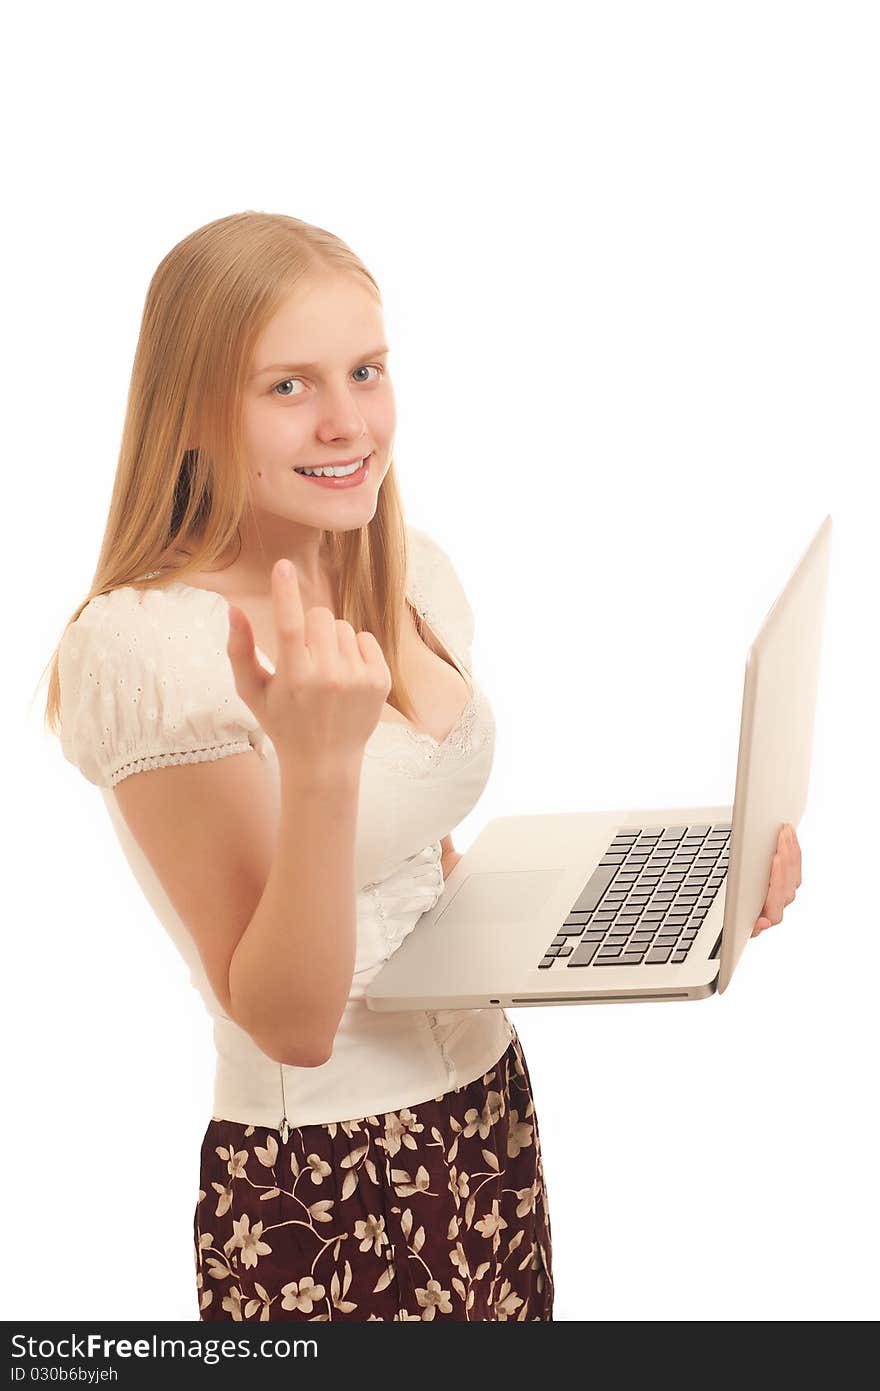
435	1211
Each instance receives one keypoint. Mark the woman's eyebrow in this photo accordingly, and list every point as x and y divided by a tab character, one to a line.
313	366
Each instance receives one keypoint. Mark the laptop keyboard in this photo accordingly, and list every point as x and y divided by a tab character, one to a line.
646	900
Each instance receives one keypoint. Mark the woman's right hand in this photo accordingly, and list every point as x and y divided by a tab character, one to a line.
330	684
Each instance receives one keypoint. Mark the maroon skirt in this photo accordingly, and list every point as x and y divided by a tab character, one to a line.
434	1211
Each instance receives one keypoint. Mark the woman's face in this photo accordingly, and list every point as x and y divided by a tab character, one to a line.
319	392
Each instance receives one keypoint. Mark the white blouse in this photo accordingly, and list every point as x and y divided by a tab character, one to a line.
146	681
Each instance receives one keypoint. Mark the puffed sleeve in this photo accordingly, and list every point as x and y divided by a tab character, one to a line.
146	681
437	590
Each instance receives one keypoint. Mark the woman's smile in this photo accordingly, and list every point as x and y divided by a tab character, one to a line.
346	480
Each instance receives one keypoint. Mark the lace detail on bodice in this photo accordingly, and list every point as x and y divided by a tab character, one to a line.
400	899
420	753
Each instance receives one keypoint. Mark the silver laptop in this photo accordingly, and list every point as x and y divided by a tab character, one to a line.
597	907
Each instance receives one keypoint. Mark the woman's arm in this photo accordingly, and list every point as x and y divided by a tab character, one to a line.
449	856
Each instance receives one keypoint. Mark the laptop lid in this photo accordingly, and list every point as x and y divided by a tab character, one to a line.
775	741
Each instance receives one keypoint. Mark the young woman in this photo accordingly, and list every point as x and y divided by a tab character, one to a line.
271	684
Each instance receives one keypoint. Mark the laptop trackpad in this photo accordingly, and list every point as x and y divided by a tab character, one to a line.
500	898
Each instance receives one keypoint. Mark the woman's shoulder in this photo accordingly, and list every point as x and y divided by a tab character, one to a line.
435	586
168	607
169	624
145	675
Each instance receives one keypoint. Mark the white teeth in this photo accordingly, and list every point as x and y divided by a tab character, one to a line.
341	472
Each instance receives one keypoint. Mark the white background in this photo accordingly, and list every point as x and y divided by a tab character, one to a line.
628	254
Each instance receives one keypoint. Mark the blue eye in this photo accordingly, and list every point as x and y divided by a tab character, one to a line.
365	368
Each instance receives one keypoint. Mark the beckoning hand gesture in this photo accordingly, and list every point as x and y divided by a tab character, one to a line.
330	683
785	878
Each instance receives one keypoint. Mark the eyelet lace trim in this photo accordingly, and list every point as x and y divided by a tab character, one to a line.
163	760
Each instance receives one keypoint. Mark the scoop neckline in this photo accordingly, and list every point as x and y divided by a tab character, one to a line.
405	725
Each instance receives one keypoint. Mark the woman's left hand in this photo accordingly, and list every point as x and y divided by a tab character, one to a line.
785	878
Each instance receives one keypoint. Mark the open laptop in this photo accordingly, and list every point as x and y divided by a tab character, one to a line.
597	907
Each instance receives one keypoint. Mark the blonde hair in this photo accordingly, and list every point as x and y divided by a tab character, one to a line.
206	305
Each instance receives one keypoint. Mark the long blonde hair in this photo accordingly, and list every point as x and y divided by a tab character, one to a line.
206	305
